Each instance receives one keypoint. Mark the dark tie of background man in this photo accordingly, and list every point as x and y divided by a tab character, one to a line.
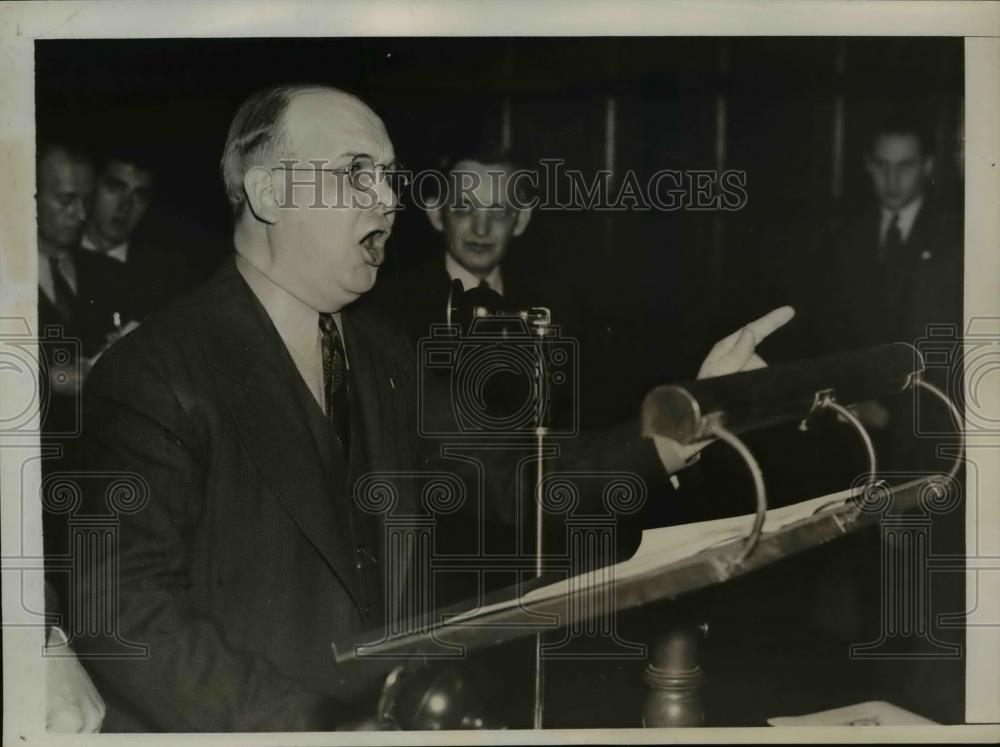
64	298
893	281
335	379
893	245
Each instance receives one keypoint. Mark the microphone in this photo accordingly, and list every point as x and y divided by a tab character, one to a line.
452	309
749	400
464	306
481	310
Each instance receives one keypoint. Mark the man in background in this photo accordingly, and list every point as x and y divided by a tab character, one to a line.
69	303
480	217
73	287
895	269
154	273
481	210
897	260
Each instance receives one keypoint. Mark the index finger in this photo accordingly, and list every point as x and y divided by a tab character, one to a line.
771	321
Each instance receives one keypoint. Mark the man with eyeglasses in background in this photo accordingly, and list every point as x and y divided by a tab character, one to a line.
481	207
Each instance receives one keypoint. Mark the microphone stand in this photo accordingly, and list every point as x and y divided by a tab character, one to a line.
539	320
541	328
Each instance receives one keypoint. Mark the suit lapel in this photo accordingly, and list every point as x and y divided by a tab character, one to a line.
921	234
274	425
379	385
368	383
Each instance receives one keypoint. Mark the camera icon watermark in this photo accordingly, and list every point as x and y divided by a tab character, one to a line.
580	565
499	380
967	368
81	573
587	561
908	561
90	563
408	505
34	370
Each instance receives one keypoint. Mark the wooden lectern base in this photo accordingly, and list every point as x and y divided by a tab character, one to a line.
674	676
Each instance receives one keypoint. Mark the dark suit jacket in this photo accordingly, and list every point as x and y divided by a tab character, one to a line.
152	276
157	274
848	298
84	332
81	335
239	572
875	301
98	280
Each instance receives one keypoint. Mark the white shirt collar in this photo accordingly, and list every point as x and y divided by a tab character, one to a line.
456	272
119	252
297	324
907	217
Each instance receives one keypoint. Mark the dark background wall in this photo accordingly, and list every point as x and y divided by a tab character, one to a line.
791	112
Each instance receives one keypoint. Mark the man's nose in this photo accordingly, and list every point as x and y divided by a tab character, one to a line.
384	193
78	210
893	178
481	223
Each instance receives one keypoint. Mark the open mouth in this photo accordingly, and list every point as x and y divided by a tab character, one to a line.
373	246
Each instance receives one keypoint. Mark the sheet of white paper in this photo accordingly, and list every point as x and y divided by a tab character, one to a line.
872	713
665	545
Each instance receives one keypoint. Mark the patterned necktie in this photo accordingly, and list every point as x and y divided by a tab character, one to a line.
335	379
64	298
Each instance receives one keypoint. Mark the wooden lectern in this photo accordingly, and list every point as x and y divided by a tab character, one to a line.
674	561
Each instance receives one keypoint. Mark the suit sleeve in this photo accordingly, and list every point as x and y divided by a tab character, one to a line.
509	473
190	678
589	456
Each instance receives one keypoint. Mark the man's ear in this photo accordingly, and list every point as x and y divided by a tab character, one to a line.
523	217
434	214
258	185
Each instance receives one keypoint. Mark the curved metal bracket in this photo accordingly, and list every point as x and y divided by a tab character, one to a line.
719	432
956	416
826	400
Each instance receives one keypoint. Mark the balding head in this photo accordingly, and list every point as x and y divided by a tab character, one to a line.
259	132
320	115
65	182
305	172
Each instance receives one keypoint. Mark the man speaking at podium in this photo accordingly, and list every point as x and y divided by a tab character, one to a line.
247	411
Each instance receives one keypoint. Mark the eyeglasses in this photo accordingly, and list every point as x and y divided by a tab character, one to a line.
362	173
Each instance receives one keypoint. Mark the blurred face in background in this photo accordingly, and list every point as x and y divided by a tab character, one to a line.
478	223
120	202
65	186
898	168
